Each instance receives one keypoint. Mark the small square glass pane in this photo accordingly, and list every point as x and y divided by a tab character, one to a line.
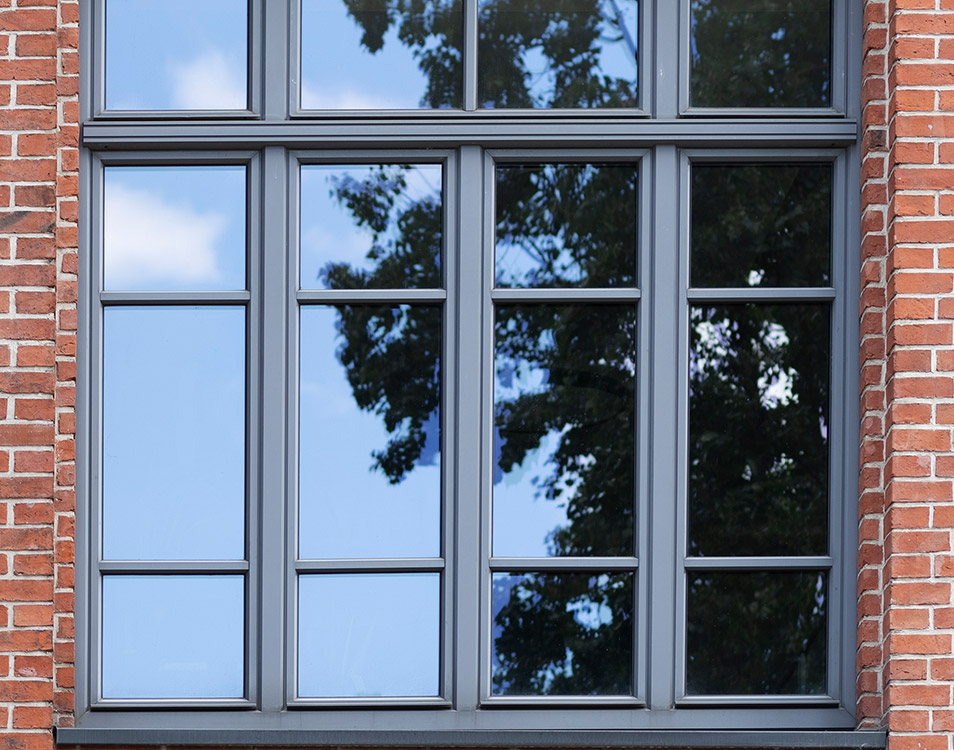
369	432
371	226
564	430
176	54
562	634
370	635
174	228
173	636
565	225
758	430
761	53
760	633
761	225
557	54
174	433
378	54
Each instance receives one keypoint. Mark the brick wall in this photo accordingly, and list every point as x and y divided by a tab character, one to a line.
906	669
39	68
906	617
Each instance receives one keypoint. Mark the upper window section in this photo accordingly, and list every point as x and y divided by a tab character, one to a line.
761	53
389	54
177	55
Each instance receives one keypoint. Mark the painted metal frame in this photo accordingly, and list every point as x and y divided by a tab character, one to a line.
665	138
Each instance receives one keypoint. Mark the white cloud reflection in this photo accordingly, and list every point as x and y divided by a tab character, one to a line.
149	240
314	97
208	82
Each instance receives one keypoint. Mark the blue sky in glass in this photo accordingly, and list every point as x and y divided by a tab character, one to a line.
173	636
523	519
329	233
174	433
369	635
338	72
176	54
347	508
174	228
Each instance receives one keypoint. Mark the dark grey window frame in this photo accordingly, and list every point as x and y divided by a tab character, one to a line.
665	137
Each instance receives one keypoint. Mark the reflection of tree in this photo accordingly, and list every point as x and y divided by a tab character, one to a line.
756	633
582	627
761	53
532	53
758	403
758	428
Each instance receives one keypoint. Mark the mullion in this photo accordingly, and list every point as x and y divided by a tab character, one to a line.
371	565
760	563
114	298
730	295
173	567
563	564
371	296
581	295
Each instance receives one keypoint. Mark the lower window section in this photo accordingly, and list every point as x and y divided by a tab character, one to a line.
757	633
368	635
562	634
173	636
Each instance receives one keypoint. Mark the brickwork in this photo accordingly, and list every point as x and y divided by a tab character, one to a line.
907	569
906	561
39	69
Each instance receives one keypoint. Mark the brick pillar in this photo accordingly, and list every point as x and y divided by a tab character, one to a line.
38	188
907	566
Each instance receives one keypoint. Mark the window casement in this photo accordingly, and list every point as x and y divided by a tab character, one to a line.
433	395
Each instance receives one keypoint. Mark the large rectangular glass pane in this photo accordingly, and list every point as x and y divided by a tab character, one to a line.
761	53
758	429
557	54
369	635
757	633
176	54
565	225
371	226
562	634
564	430
763	225
369	431
381	54
173	636
174	433
174	228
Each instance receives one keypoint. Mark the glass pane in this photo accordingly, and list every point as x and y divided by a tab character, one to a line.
757	633
761	53
369	427
176	54
173	636
174	228
561	225
564	419
371	227
174	433
562	634
758	430
557	53
369	635
381	54
761	225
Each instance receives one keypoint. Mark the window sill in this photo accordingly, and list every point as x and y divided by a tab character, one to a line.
574	738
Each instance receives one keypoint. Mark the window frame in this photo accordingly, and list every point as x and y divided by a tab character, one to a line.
665	138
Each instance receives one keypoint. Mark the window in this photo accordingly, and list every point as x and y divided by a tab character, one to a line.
486	380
